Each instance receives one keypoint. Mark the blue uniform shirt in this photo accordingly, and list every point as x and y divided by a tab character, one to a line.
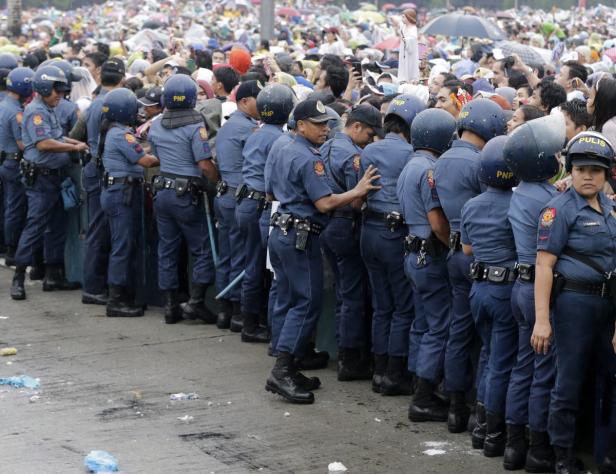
230	141
279	145
456	175
11	115
298	179
180	149
122	152
526	203
390	156
93	121
40	123
417	194
66	111
342	162
256	149
569	221
485	226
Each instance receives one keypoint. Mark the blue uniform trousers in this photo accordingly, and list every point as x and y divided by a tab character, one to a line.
98	237
532	377
392	293
340	243
428	336
300	288
491	308
46	225
231	251
15	202
178	216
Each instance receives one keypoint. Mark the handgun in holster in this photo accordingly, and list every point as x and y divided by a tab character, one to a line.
221	188
240	193
476	271
393	220
28	171
302	229
285	222
558	283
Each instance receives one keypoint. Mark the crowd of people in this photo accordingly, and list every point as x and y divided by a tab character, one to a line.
461	193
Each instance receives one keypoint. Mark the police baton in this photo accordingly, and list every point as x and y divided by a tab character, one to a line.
210	227
231	285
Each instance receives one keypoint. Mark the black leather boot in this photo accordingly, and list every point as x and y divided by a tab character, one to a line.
496	436
251	331
195	307
237	318
223	319
478	435
566	463
515	449
37	270
90	298
119	306
55	279
312	360
352	366
397	380
380	366
282	381
18	291
173	312
540	455
459	412
425	405
307	383
9	256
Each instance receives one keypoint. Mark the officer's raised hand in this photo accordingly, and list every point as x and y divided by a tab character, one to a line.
366	183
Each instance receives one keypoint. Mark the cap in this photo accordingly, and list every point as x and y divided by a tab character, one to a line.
114	65
248	89
153	96
312	110
368	115
411	15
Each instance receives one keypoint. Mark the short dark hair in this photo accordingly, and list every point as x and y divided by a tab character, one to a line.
456	84
576	70
605	103
203	59
529	89
111	79
394	124
530	112
134	84
97	58
104	49
577	112
447	77
517	79
330	60
551	94
337	78
228	77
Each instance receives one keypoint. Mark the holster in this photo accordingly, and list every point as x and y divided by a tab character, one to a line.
394	221
28	171
558	283
301	235
454	241
221	188
241	193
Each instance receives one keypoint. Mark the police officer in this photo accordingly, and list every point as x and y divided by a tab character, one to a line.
123	160
98	237
66	110
45	155
340	240
530	154
457	180
230	142
179	139
425	262
576	255
486	234
382	249
299	182
274	104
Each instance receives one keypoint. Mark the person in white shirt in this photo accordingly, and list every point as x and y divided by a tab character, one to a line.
408	67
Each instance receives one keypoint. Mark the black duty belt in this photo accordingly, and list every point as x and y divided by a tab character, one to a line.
526	272
493	274
346	215
111	180
223	188
393	220
596	289
288	221
47	171
244	192
10	156
454	241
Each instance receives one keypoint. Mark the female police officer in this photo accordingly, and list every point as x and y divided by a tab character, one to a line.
576	248
123	159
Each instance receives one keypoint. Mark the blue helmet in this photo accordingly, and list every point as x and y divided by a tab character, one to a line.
589	148
180	92
120	105
274	103
48	78
405	106
69	71
530	151
8	61
19	81
433	130
493	170
484	118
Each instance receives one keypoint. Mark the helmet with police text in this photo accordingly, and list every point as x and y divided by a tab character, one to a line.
530	151
69	71
121	106
274	104
433	130
8	61
589	149
180	92
484	117
48	78
493	171
19	81
334	123
405	106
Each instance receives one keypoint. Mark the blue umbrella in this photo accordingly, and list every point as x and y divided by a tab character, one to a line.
466	26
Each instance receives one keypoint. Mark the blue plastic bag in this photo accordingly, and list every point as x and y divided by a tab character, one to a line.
70	194
101	461
23	381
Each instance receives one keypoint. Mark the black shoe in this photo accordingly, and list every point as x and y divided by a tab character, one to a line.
237	318
252	332
55	279
312	360
18	291
9	256
195	307
566	463
608	466
425	405
459	412
223	320
307	383
119	306
478	434
351	365
540	455
515	449
397	380
37	273
283	381
496	436
380	366
173	312
89	298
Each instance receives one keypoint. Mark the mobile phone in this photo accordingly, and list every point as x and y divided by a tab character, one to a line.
356	67
508	63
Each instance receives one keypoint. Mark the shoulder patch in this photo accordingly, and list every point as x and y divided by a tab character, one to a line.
356	163
430	178
130	138
319	168
203	133
547	218
19	117
37	119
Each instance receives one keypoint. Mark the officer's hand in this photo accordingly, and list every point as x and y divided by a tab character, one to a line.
542	335
81	146
364	186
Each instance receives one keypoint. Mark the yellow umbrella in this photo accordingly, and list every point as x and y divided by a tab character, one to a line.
374	17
